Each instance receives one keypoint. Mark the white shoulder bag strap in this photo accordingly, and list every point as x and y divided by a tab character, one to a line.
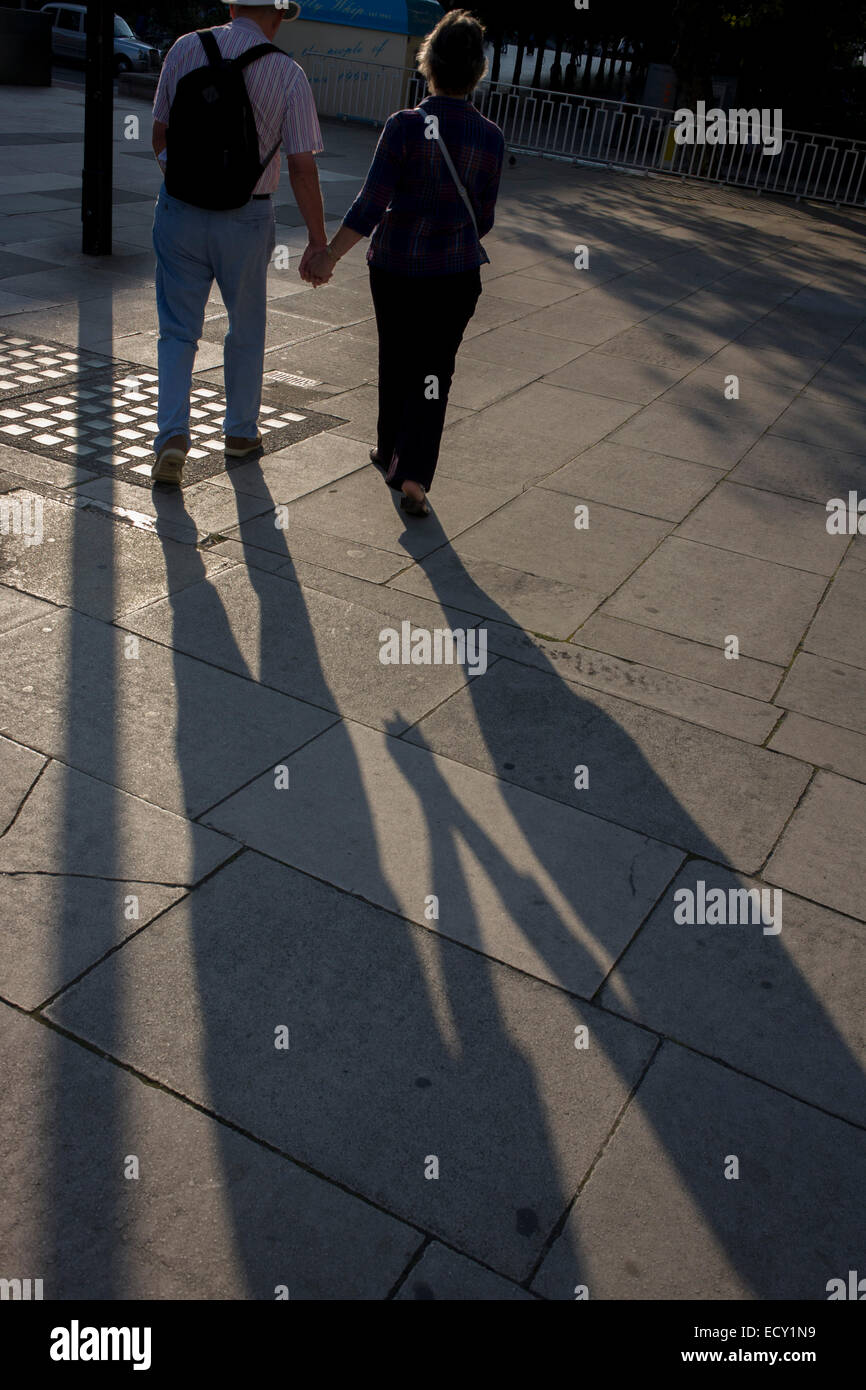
460	188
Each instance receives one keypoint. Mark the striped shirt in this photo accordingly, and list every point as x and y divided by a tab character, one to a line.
422	226
278	88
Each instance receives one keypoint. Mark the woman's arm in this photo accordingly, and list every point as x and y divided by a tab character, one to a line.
381	181
367	209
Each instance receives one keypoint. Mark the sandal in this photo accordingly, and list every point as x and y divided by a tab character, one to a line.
415	506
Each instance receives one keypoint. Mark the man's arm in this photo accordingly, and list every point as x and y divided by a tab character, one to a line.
159	137
304	178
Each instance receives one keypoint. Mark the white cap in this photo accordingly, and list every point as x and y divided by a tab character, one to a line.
289	9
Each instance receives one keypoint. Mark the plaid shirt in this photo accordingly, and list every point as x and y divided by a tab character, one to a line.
422	226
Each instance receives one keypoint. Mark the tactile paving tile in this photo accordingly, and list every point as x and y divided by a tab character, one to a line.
108	423
31	364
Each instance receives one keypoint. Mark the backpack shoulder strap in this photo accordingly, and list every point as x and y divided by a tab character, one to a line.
210	46
258	50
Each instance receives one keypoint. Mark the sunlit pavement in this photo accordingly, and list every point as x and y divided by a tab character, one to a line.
333	970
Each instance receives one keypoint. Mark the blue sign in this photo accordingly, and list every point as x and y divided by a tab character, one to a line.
389	16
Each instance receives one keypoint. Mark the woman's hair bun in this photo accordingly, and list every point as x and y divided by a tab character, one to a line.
452	55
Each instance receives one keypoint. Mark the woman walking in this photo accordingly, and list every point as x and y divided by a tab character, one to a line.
428	199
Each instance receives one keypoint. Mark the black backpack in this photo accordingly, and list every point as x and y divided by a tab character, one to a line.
212	146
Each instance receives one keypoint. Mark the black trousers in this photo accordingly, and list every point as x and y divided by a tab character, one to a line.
421	322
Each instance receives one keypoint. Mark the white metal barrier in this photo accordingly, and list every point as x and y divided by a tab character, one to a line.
620	133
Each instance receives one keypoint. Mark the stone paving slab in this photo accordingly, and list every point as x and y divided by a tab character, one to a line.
855	558
635	480
212	1215
706	594
639	382
283	329
703	391
343	556
65	285
492	312
658	347
830	426
557	905
840	381
709	318
799	332
682	657
729	713
609	261
658	1219
719	437
535	293
583	319
19	768
362	504
76	824
53	926
687	786
785	1007
437	1052
636	294
394	603
502	345
361	407
824	839
86	324
822	301
839	629
785	530
837	750
444	1275
17	608
293	546
156	723
491	590
775	365
827	690
797	469
538	533
191	514
496	450
35	468
477	384
124	567
334	303
337	357
302	642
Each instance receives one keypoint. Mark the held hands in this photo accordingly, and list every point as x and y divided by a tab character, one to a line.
317	266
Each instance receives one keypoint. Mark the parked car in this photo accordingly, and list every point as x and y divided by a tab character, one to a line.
69	39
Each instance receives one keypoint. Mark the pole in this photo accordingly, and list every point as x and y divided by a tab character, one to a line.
96	176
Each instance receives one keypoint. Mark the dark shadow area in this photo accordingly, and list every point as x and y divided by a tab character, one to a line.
510	1125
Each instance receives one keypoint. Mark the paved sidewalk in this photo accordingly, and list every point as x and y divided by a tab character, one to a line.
365	980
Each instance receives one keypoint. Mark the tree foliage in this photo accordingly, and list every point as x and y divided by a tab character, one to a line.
802	58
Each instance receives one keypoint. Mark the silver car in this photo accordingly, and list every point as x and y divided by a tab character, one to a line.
69	39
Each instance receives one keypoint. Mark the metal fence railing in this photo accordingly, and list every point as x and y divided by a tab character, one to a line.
351	89
605	131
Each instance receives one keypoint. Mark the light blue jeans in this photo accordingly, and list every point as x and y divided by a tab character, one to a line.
193	248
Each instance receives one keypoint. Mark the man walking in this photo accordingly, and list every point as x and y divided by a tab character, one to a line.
217	134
